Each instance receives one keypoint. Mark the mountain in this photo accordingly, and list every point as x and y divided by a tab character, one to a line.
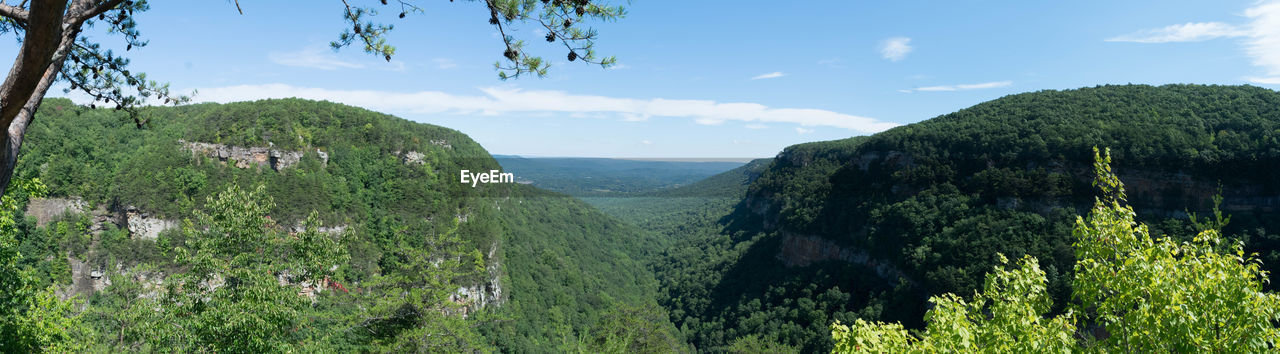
869	227
606	177
760	257
549	272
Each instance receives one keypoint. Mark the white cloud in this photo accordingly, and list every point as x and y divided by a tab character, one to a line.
895	48
646	142
756	126
772	75
445	63
834	63
315	57
961	87
1266	80
1187	32
803	130
396	65
500	100
632	117
1263	44
1260	37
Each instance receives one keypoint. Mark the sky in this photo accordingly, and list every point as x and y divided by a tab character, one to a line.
708	78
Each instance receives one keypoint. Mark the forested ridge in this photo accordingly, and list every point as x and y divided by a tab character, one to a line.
403	249
762	258
870	227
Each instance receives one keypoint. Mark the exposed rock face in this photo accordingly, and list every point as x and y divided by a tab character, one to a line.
83	280
143	225
413	158
803	250
489	292
46	209
336	229
245	157
417	158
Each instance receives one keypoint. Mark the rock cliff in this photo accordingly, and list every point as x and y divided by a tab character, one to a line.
245	157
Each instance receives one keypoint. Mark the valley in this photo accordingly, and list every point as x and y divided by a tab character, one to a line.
599	253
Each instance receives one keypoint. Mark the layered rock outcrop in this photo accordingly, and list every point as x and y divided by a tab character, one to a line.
803	250
245	157
486	293
44	210
145	226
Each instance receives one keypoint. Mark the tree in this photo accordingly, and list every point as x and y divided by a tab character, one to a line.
1133	293
53	49
30	319
238	295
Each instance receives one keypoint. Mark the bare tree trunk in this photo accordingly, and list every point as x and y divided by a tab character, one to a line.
39	61
43	38
11	143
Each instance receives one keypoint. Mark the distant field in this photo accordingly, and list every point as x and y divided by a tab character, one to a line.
607	177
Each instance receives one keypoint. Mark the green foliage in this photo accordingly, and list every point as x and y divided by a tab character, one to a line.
1005	317
411	238
30	319
561	20
1147	294
934	202
573	273
230	298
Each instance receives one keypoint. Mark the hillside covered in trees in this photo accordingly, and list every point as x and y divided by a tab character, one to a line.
870	227
410	259
354	235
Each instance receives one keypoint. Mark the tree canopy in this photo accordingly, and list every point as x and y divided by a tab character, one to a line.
1132	292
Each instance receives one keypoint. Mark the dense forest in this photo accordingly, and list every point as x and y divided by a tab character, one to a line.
532	270
870	227
345	230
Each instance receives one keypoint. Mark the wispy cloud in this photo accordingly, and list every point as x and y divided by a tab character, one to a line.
315	57
502	100
1187	32
1260	36
800	130
445	63
756	126
1263	44
834	63
961	87
772	75
895	48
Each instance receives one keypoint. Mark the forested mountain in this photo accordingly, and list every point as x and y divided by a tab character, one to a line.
353	234
869	227
416	261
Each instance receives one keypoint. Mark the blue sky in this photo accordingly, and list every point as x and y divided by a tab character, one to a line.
708	78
